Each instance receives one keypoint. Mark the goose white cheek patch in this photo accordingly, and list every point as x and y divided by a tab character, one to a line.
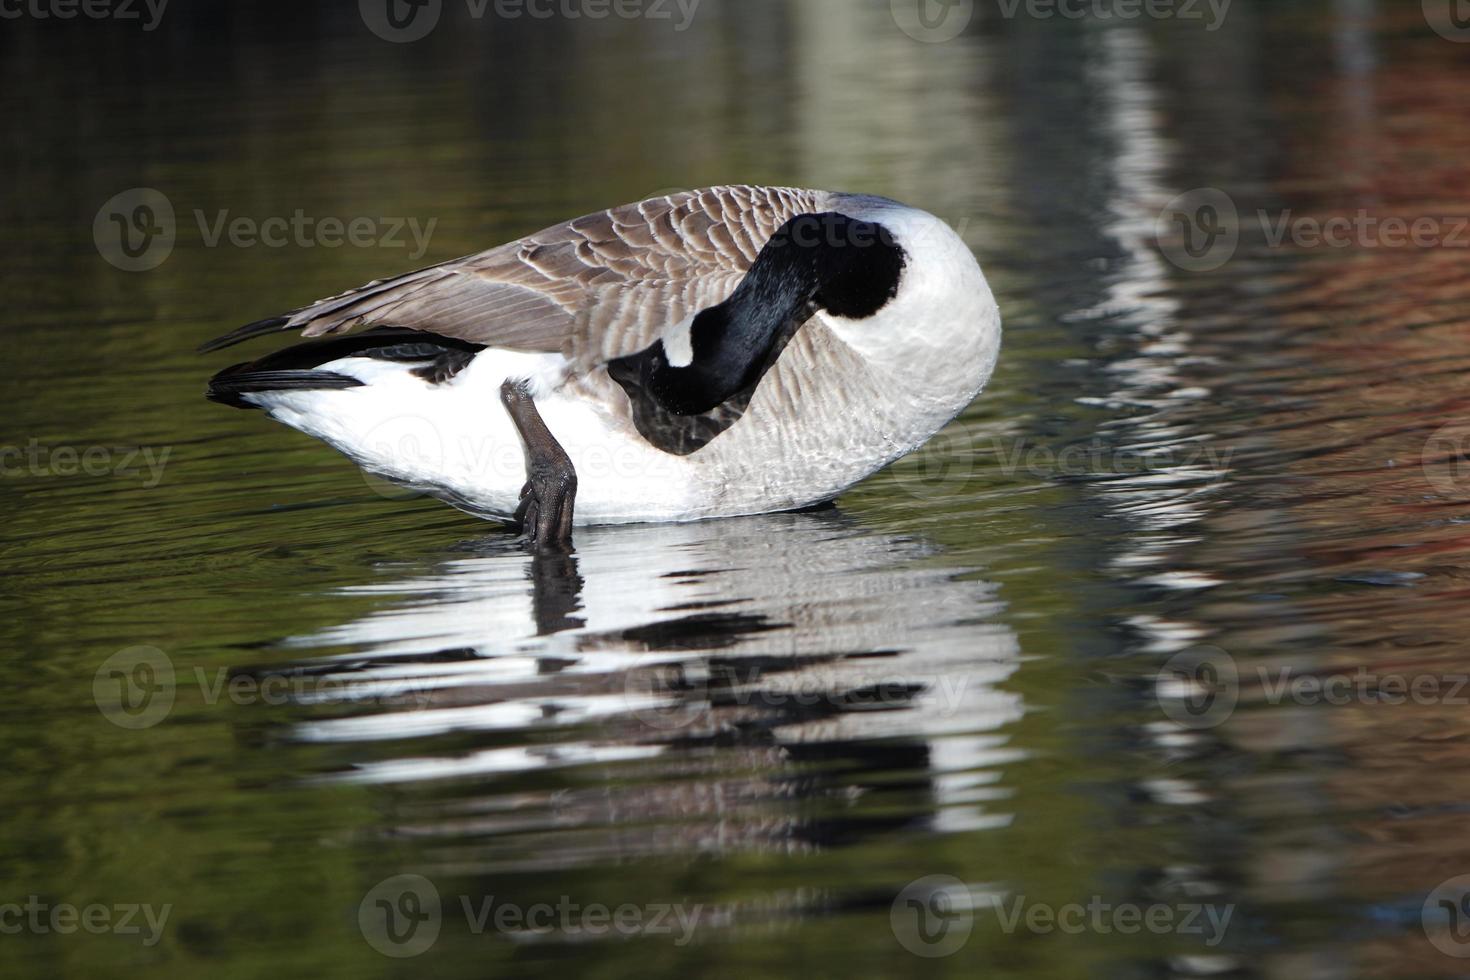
679	344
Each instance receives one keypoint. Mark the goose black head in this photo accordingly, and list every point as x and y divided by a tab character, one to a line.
852	267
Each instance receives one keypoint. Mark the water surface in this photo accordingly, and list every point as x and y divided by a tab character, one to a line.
776	724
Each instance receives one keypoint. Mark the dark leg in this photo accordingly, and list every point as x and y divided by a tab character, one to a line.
545	514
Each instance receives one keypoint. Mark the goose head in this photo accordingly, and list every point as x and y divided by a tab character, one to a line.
896	284
929	314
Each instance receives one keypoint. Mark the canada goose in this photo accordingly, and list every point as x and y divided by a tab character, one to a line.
711	353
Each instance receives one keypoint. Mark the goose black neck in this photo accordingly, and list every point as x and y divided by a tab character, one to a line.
828	261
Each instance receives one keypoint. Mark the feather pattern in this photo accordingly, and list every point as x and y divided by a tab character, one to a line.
593	288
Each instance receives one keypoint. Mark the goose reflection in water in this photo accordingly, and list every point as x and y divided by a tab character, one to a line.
712	677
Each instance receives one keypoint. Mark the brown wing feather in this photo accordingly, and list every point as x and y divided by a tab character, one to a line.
593	288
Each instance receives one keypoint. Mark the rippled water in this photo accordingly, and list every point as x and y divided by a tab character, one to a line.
1064	657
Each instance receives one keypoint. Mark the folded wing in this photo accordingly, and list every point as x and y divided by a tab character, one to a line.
595	288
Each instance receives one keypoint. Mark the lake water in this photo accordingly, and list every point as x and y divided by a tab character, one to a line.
1149	665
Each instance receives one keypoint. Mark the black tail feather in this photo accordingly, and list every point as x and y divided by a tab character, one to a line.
296	368
230	385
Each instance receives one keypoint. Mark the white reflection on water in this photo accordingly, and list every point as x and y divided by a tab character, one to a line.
773	638
1165	501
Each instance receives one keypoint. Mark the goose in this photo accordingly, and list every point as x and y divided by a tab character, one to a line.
711	353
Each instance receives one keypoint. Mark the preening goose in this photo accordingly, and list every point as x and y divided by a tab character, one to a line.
734	350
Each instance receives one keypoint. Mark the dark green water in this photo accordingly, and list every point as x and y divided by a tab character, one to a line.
250	690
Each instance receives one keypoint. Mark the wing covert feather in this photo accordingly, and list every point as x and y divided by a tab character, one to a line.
593	288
